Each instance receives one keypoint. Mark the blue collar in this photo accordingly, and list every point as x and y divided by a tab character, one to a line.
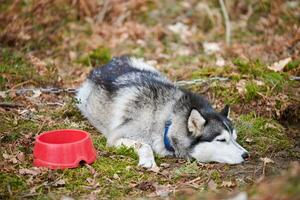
166	139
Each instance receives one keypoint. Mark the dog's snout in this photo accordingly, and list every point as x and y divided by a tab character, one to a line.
245	155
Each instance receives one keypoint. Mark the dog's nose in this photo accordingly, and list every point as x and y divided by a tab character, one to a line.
245	155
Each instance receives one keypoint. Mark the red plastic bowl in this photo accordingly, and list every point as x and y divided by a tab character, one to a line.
60	149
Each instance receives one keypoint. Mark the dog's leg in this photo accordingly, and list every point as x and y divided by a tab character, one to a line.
144	151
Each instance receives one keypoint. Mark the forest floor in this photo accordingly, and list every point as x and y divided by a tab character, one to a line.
55	43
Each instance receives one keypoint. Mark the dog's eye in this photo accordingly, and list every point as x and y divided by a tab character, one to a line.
221	140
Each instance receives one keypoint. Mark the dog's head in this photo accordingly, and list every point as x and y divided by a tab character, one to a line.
208	136
215	138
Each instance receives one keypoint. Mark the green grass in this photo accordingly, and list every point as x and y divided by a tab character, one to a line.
16	69
12	129
12	183
292	188
189	169
261	135
254	71
253	68
96	58
275	80
216	176
293	65
69	110
252	91
116	173
100	143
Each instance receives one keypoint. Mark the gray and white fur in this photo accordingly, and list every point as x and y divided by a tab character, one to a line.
129	102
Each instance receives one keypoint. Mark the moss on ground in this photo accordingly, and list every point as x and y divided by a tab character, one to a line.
260	82
252	91
13	128
68	110
117	172
10	184
261	135
189	169
16	69
97	57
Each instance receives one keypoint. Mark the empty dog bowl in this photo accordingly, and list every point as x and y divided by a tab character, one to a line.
60	149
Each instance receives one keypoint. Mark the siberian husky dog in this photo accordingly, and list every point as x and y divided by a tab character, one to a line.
132	104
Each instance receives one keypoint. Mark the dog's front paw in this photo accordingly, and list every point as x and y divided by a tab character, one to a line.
148	163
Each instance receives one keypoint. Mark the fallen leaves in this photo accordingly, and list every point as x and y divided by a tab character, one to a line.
59	183
19	157
146	186
32	171
266	160
240	86
211	48
278	66
182	30
249	140
39	65
212	185
228	184
240	196
162	190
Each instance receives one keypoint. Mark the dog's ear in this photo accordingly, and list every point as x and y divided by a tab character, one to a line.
195	123
225	111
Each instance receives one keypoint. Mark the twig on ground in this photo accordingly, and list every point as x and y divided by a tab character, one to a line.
23	83
295	78
227	22
41	127
42	90
10	105
200	81
51	104
74	90
29	195
106	8
194	180
9	190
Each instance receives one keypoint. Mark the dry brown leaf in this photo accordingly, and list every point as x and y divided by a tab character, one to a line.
21	156
116	176
249	140
162	190
266	160
278	66
14	160
11	158
6	156
154	169
33	171
258	82
66	198
90	180
211	48
240	86
240	196
40	65
60	182
228	184
212	185
165	165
